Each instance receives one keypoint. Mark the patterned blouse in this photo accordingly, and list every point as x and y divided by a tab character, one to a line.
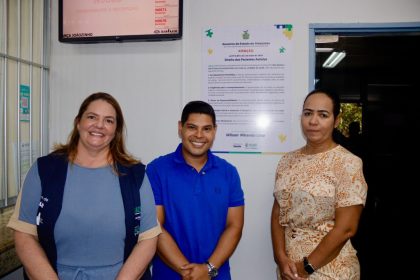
308	189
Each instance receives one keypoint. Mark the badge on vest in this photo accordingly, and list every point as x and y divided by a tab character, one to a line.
137	213
41	205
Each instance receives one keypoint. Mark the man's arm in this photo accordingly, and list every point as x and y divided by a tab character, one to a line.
225	247
167	248
230	237
33	257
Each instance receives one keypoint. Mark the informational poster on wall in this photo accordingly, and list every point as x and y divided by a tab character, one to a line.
24	160
26	157
247	80
24	103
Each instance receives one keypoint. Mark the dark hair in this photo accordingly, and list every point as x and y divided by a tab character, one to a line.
117	148
200	107
335	98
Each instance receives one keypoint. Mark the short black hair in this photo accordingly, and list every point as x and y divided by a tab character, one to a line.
200	107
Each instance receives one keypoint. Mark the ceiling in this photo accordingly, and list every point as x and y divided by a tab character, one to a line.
370	59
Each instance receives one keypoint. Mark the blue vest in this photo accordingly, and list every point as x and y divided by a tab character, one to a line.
52	171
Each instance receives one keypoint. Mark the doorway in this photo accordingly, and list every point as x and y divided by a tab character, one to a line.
376	72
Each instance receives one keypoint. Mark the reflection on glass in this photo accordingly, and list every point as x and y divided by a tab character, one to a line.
263	121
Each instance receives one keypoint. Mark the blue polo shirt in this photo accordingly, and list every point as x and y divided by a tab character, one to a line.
196	206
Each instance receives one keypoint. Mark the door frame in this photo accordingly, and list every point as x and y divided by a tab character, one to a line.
348	28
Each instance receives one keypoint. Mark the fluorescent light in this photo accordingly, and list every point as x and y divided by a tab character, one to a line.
320	39
334	59
318	50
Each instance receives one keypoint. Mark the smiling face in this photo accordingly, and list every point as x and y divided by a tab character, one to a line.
197	134
97	126
318	119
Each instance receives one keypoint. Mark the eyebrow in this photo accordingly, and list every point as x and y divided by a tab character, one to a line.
93	113
195	125
319	111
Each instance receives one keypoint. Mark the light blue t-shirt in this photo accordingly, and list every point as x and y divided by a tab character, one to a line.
90	230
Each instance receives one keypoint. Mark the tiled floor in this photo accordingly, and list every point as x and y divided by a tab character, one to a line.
8	258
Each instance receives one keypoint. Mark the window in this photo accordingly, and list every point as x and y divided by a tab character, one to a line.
24	35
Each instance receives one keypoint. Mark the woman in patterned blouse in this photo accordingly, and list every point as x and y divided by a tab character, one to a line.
319	195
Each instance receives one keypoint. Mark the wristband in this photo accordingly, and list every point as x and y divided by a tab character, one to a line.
309	268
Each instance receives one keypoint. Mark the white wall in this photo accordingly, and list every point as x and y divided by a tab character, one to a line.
153	80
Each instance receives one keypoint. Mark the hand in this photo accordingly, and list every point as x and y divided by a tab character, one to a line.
195	272
301	270
185	272
289	271
285	276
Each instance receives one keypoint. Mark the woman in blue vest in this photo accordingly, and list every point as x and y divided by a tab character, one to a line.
86	211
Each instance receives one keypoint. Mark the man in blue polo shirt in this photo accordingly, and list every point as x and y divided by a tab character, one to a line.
200	203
